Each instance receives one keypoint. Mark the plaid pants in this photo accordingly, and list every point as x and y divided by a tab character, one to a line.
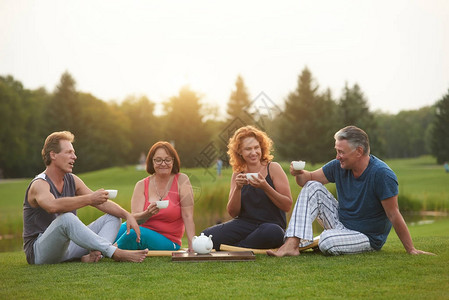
316	202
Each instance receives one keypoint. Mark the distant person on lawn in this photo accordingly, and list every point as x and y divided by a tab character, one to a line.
52	233
367	205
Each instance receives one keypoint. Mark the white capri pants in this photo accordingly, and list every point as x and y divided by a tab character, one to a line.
316	202
68	238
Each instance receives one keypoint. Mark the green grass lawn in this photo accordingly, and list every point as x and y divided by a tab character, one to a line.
423	185
387	274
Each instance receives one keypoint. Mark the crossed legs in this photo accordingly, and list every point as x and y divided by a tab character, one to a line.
316	202
241	233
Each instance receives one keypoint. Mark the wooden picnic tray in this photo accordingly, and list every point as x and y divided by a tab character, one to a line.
214	256
163	252
167	252
224	247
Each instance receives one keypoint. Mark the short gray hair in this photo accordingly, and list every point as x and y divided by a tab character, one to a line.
355	136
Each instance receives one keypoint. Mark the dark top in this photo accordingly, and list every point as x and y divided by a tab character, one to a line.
360	199
36	220
256	207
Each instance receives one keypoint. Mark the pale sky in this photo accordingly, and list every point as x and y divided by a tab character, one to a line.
397	51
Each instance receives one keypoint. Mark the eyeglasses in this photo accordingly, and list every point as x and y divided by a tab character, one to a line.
159	161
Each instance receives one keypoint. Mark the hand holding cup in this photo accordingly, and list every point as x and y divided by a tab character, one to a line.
251	176
162	203
297	167
241	180
112	193
152	209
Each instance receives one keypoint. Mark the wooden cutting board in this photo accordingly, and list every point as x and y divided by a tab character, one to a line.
167	252
214	256
224	247
163	252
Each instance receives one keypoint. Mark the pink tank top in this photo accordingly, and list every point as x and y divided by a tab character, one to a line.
168	221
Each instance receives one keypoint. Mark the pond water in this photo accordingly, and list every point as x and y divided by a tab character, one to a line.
13	242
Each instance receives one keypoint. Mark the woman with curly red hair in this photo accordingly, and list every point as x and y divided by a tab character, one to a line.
257	204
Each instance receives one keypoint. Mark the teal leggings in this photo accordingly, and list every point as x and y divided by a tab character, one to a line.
149	239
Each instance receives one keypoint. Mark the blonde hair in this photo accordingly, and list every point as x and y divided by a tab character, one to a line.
52	144
235	142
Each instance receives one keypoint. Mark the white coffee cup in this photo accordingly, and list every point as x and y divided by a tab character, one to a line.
298	165
250	176
112	193
162	204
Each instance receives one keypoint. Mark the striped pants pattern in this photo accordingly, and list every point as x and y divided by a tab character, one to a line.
316	202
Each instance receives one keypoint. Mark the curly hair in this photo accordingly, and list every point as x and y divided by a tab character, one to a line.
235	142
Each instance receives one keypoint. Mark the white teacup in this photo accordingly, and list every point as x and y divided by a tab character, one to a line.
250	176
298	165
112	193
162	204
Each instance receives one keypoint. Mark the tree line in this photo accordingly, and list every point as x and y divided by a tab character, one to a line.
116	134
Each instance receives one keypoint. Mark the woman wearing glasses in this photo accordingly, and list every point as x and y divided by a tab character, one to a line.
161	228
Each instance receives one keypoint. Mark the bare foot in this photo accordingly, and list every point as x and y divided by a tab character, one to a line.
129	255
290	248
92	257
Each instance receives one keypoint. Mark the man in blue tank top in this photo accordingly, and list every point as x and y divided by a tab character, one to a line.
52	232
367	206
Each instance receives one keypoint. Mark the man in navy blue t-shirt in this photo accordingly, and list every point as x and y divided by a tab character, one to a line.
367	205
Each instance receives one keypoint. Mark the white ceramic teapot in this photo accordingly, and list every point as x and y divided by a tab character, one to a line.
202	244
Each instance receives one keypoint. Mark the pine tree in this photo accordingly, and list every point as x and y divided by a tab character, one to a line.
239	103
144	128
354	110
13	116
306	127
185	127
440	130
63	112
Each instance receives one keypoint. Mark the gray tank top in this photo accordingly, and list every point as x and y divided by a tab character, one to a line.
36	220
